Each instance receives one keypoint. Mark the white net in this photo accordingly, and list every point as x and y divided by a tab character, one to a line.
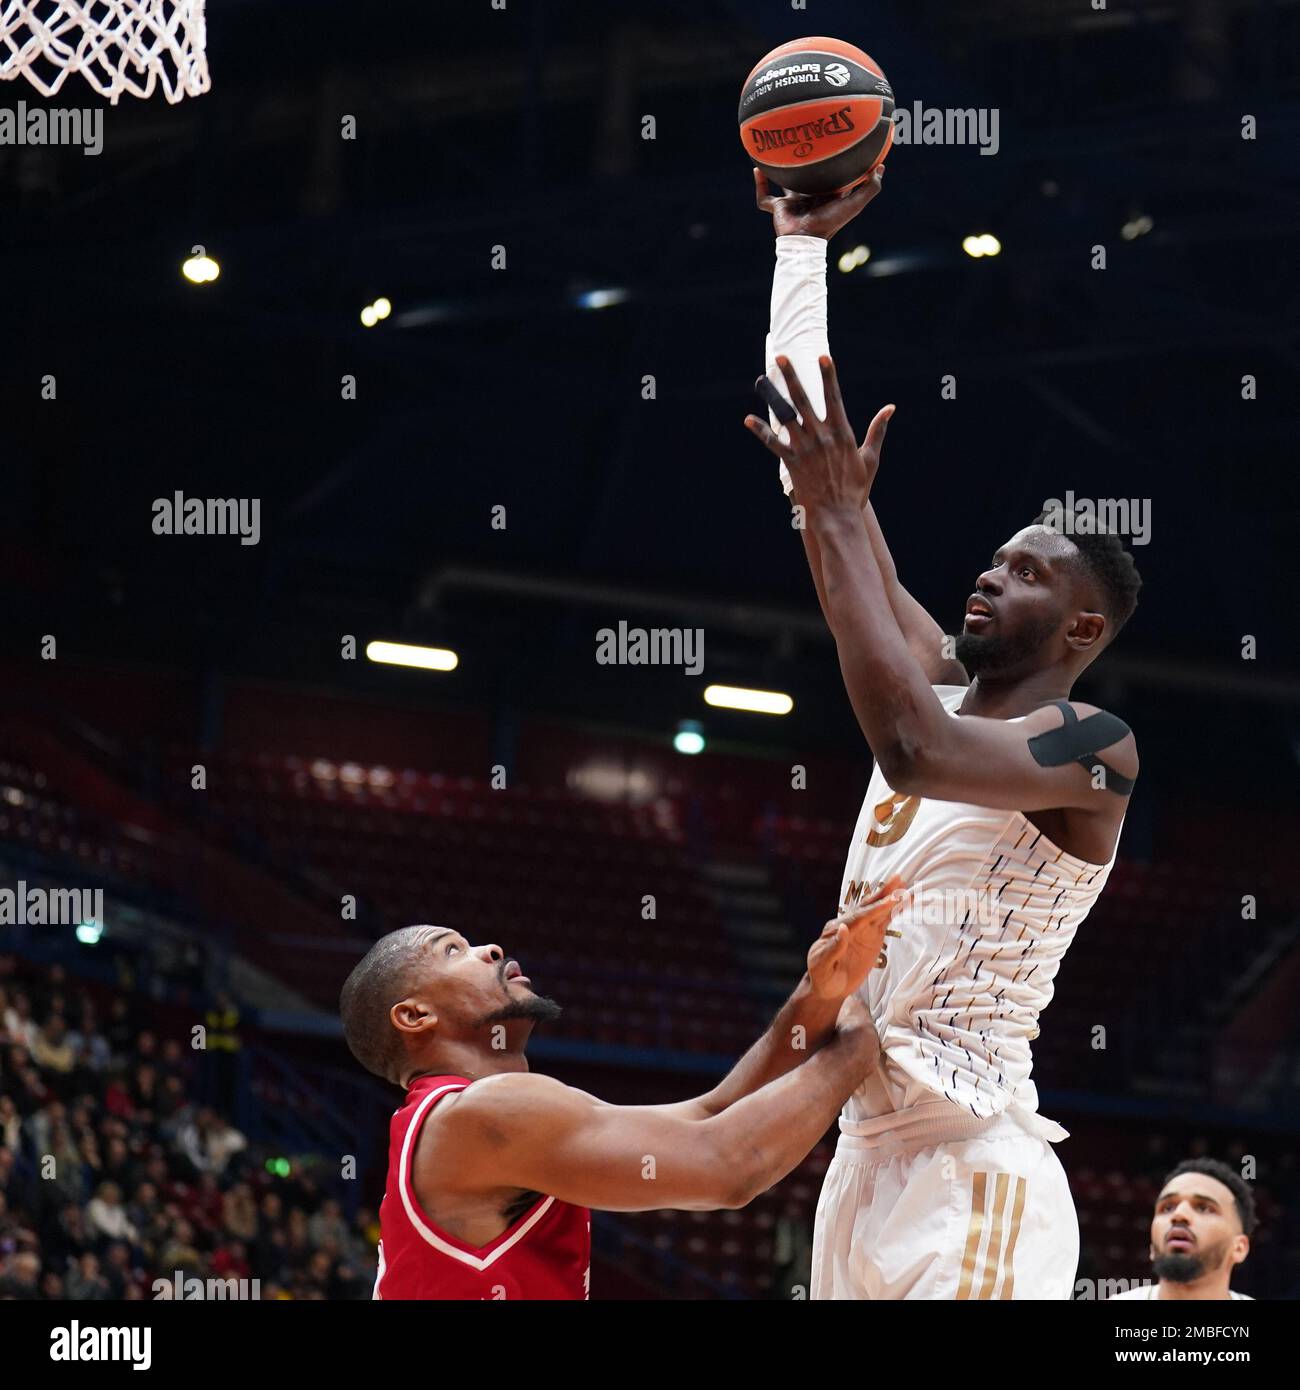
116	45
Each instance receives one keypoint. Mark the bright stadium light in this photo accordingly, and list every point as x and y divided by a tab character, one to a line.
368	316
403	654
851	260
985	244
200	270
1136	227
382	307
689	738
89	932
601	299
754	701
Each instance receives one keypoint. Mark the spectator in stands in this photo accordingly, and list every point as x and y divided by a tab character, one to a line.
108	1216
204	1204
121	1029
143	1090
85	1280
223	1044
1204	1218
20	1026
11	1123
92	1047
119	1272
230	1261
20	1275
52	1051
121	1122
328	1225
239	1213
180	1252
143	1210
210	1143
118	1164
71	1237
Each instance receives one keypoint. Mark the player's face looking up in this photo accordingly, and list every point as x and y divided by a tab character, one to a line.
1029	609
1195	1228
467	988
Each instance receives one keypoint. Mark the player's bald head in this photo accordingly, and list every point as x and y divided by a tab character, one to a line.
384	976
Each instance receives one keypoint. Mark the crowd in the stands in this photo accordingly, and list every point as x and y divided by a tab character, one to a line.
117	1176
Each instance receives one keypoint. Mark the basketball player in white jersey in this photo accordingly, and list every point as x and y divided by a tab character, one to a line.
1200	1233
995	796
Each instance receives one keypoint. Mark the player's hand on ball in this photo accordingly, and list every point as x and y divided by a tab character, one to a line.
850	944
799	214
827	465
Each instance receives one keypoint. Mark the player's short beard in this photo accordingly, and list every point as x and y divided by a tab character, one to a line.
1178	1268
535	1006
993	654
1181	1268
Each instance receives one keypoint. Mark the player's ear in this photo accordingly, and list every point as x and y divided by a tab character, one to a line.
412	1016
1240	1248
1086	631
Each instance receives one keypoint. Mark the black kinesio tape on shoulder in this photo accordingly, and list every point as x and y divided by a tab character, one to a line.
1077	741
775	401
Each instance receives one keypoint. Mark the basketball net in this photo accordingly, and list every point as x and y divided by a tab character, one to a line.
116	45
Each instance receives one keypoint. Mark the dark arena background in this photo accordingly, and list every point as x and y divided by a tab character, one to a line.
541	439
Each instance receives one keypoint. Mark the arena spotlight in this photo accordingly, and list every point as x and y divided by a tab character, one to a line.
382	307
601	299
851	260
984	244
403	654
200	269
89	932
1136	227
689	738
753	701
368	316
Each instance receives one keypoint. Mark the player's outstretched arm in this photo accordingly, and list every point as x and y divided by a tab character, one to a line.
841	958
1066	756
798	330
524	1131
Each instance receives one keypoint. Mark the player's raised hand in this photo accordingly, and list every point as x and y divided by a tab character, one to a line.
827	465
798	214
869	449
850	944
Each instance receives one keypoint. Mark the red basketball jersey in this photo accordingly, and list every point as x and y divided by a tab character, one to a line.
545	1254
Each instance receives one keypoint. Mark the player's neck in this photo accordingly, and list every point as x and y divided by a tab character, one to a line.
990	698
471	1063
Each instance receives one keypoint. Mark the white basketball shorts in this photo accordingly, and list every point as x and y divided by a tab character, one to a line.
983	1216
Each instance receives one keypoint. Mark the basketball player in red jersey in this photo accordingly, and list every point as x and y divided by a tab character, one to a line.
492	1168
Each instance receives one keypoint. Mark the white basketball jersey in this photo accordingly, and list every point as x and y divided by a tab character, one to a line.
995	909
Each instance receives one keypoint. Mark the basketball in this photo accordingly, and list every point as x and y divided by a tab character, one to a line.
816	115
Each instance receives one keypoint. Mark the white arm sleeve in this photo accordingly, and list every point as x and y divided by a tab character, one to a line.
798	324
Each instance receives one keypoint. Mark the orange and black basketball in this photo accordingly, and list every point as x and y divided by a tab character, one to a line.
816	115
